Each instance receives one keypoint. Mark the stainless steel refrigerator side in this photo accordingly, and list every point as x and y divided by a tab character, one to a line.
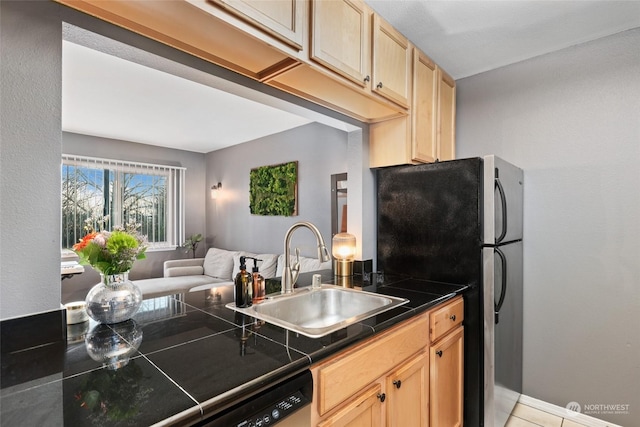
488	261
502	342
489	202
507	333
488	297
511	182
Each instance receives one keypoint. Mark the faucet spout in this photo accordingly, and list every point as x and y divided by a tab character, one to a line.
289	274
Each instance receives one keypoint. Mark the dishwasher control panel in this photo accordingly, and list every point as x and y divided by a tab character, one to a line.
273	413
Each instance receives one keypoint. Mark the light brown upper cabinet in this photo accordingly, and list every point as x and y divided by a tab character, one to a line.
336	72
446	116
210	31
340	38
428	133
424	146
348	39
336	53
283	19
391	63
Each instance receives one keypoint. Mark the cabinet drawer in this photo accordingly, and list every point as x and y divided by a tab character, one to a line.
446	318
363	410
342	377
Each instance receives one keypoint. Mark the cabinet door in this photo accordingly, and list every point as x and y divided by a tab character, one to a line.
446	376
364	410
424	146
408	393
446	116
340	38
391	63
281	18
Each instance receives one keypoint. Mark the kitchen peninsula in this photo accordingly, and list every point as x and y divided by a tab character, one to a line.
195	358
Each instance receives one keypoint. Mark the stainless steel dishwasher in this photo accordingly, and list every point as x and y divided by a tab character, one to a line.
285	404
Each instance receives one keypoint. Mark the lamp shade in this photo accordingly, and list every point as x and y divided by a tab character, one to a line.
343	246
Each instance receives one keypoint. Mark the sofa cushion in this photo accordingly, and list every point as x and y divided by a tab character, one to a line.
172	285
219	263
267	266
306	264
190	270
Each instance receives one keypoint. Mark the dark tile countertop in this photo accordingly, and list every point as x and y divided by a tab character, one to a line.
194	358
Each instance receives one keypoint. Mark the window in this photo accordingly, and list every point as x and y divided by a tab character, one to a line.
102	193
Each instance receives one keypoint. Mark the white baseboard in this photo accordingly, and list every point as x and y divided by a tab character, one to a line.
579	418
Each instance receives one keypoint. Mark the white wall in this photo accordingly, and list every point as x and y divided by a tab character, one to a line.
571	120
320	152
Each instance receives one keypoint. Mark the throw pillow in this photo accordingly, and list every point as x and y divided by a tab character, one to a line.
219	263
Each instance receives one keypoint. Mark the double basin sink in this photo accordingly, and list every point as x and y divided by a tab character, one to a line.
321	311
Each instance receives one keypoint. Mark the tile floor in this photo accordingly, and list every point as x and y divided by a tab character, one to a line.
526	416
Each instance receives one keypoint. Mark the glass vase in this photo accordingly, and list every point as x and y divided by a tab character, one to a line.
113	300
114	345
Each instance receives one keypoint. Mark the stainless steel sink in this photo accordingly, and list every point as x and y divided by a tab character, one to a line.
318	312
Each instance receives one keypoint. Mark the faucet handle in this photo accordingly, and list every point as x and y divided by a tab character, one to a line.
296	265
295	269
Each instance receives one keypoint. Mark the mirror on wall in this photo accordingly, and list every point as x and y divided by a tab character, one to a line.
338	203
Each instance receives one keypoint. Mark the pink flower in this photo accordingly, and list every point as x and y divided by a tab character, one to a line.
100	240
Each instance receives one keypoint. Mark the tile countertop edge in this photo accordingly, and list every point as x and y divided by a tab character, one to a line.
234	396
420	302
252	388
226	400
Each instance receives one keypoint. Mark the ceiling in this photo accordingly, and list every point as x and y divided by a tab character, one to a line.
471	37
107	96
131	97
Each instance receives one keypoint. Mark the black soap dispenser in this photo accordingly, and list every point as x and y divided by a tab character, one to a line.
243	285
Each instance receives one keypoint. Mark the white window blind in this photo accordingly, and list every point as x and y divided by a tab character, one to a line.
104	193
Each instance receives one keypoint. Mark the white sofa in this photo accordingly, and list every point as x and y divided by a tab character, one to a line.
218	268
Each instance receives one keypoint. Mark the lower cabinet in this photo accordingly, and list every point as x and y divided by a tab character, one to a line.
364	410
402	395
407	391
446	378
446	369
411	375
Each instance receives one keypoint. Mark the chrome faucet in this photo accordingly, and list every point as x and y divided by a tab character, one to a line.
290	274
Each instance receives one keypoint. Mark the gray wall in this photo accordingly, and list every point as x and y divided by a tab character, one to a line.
571	119
31	145
320	152
195	192
30	142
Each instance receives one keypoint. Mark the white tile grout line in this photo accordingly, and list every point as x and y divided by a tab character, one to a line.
565	413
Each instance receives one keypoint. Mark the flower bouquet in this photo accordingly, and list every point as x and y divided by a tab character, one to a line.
112	253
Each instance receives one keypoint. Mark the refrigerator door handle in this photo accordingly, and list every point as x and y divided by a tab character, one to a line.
503	291
503	203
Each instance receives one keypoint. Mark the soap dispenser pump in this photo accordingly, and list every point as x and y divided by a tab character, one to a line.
243	285
258	282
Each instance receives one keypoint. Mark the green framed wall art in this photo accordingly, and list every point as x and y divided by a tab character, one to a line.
273	190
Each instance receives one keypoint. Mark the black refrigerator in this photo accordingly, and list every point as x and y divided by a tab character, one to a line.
460	221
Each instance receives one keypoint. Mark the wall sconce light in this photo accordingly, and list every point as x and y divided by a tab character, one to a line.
343	248
215	190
